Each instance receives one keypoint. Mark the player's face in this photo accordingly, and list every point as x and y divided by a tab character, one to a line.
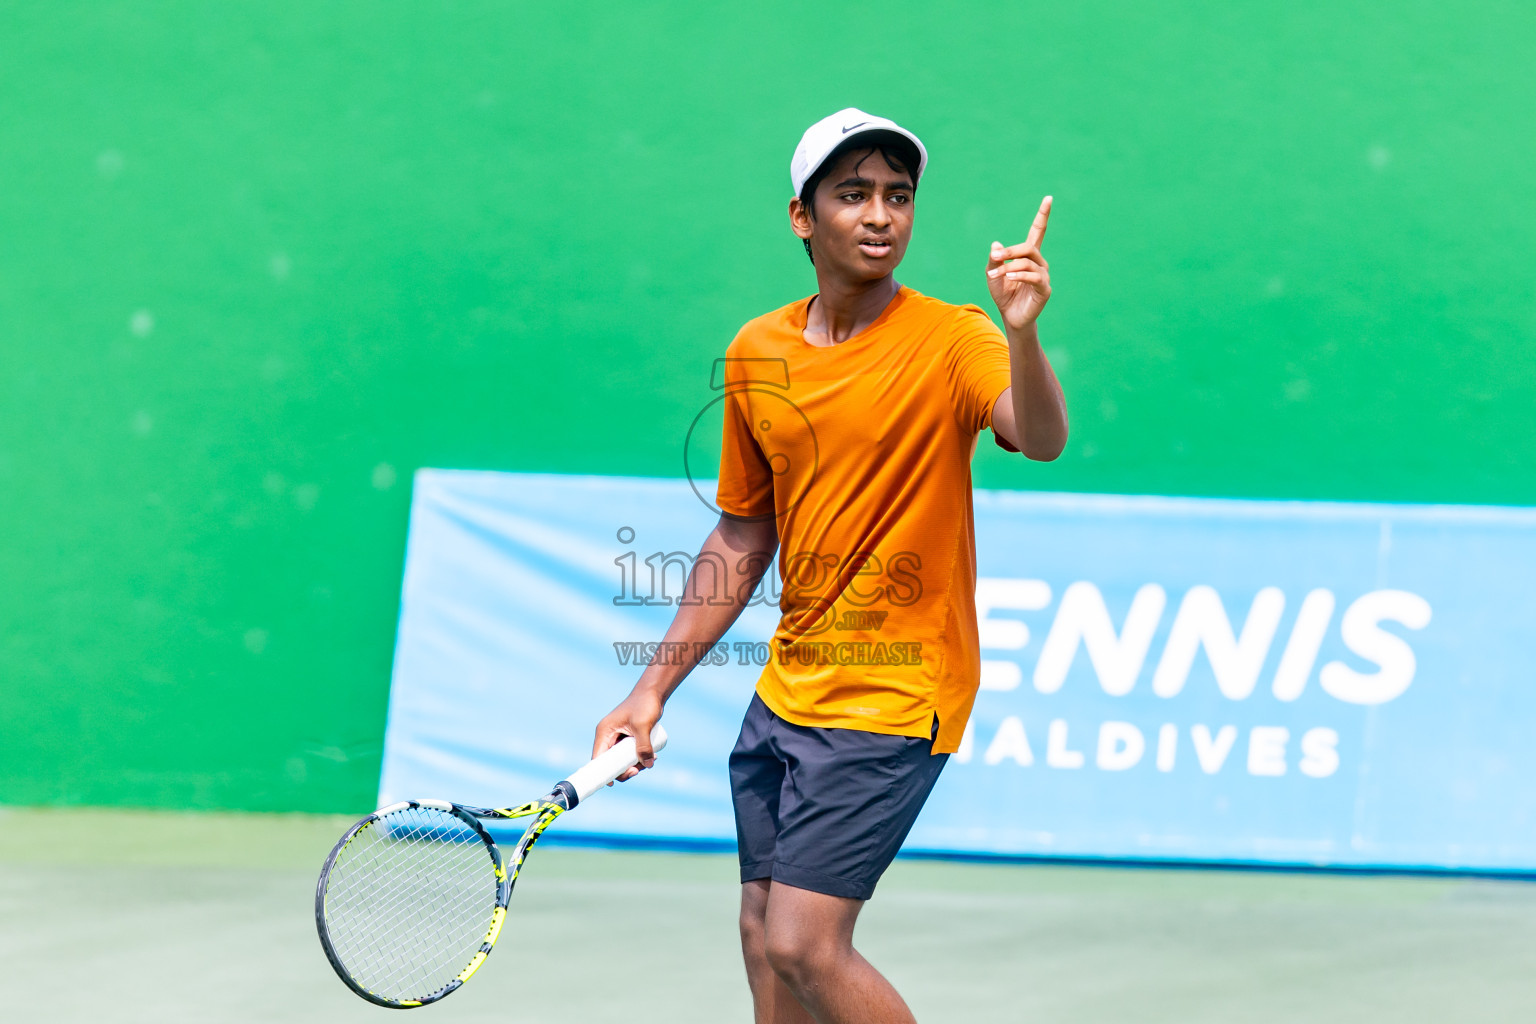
863	217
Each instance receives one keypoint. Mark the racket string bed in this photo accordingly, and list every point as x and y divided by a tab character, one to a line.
409	910
372	937
423	929
433	908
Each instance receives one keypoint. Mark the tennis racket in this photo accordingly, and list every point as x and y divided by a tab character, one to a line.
412	898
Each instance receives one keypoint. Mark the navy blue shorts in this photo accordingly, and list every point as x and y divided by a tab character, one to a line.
825	809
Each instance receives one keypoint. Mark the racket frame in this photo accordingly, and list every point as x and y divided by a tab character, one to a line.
544	812
601	771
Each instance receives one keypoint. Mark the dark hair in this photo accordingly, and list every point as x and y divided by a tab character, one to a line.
899	152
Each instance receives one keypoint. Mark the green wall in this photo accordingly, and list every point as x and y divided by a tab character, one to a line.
259	262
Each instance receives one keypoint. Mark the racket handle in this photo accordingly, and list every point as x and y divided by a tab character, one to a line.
610	764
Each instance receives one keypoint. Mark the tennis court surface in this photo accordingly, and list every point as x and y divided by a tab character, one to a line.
146	916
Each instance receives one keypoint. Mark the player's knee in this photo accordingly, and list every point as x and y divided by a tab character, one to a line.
753	919
752	929
796	956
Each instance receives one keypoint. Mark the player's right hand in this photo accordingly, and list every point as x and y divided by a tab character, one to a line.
636	716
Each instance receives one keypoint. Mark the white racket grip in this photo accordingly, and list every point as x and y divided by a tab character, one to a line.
611	763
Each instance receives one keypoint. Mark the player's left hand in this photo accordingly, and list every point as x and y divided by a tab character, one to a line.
1018	276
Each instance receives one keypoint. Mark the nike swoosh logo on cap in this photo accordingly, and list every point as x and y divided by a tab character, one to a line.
853	126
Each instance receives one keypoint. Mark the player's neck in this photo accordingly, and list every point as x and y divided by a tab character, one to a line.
842	309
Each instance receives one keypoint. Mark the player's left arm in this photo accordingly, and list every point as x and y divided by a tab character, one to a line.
1032	413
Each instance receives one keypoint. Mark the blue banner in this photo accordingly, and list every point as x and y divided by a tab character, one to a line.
1164	678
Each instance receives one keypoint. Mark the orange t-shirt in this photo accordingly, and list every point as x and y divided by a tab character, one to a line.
861	452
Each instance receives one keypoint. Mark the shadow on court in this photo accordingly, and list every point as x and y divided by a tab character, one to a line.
144	916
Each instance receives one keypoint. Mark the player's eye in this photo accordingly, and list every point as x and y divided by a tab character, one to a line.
900	199
853	197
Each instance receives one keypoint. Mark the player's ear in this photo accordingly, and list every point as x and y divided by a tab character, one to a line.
800	219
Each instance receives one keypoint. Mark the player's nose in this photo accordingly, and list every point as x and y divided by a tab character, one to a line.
876	213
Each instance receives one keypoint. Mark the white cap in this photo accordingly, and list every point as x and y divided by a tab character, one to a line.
821	138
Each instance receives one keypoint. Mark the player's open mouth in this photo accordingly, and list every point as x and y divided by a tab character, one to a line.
875	248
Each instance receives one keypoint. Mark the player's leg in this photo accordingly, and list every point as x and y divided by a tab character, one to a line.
848	800
757	779
772	1001
808	942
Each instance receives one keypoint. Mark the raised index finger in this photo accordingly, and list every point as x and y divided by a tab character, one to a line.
1037	229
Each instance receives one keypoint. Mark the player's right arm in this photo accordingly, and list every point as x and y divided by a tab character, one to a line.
745	547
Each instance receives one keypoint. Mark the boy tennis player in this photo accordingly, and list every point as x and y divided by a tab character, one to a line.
860	470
